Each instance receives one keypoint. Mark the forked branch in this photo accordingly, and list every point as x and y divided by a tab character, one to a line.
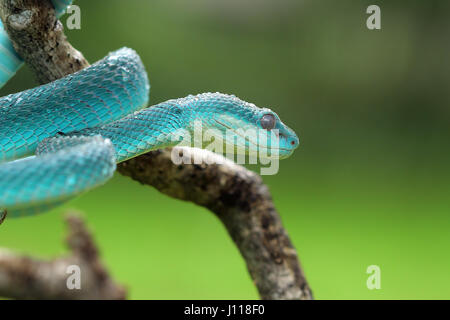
23	277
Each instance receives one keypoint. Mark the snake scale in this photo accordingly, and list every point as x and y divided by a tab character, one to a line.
64	138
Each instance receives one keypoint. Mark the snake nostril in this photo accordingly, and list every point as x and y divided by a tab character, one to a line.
292	142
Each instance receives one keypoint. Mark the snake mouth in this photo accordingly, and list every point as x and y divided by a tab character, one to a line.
253	143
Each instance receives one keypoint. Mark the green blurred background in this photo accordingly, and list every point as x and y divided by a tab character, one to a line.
369	185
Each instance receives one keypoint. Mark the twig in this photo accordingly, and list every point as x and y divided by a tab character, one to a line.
237	196
3	215
23	277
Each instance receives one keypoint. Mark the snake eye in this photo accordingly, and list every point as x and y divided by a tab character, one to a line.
268	121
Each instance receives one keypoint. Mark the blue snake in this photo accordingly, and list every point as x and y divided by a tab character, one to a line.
66	137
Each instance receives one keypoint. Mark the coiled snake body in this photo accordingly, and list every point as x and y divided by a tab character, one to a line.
68	135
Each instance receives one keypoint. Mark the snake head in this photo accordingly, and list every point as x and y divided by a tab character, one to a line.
250	129
279	135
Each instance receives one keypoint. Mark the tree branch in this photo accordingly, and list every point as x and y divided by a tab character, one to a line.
23	277
236	195
242	202
39	39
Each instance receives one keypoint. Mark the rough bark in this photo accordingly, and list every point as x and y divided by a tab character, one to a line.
39	39
236	195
